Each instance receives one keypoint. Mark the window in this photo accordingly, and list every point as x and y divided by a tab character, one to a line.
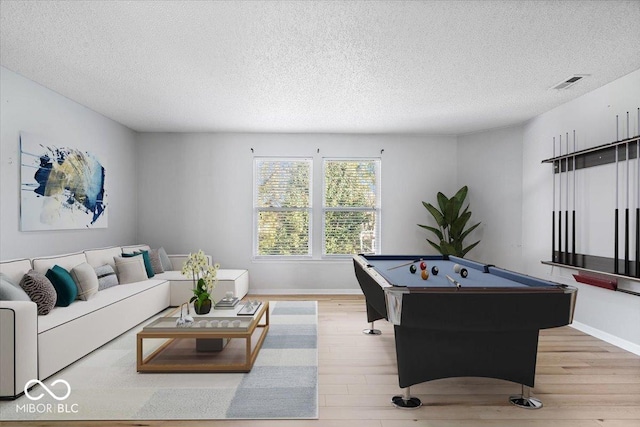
351	206
282	204
348	222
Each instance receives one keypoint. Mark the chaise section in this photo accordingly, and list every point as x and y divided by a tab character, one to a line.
235	281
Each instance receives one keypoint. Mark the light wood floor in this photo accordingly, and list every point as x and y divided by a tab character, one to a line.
582	381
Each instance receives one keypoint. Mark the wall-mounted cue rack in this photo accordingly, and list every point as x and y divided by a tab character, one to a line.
596	270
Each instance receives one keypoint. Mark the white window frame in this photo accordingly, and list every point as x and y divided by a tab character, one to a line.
377	209
257	209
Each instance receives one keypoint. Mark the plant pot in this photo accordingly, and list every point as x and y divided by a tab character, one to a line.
205	307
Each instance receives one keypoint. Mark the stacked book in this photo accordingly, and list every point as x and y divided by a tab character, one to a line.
226	303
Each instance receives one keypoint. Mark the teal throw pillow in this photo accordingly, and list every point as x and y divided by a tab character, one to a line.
63	283
147	261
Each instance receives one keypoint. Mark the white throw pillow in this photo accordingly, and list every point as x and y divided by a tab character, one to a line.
86	280
130	269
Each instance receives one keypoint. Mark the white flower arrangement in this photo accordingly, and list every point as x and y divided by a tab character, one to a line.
204	276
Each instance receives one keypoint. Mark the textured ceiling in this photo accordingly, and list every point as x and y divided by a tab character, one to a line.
437	67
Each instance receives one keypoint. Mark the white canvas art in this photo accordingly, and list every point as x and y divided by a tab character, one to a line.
61	187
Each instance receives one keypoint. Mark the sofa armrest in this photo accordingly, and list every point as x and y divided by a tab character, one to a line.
177	261
18	346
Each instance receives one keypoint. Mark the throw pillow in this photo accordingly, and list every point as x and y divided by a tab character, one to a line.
63	283
145	258
156	263
130	269
86	280
9	291
165	260
40	291
106	277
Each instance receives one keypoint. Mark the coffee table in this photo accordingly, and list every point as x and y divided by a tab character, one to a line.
178	353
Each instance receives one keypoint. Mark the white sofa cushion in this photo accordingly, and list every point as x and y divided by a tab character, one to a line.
61	315
134	248
104	256
15	269
68	261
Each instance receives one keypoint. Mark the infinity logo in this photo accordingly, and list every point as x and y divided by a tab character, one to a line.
52	394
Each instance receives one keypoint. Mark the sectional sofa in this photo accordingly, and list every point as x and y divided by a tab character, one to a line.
36	346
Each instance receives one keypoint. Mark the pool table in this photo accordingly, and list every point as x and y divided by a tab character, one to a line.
485	324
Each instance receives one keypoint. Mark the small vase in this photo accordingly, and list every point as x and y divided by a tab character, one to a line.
205	307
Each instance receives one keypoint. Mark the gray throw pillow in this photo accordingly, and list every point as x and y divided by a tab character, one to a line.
164	259
10	291
40	291
86	280
106	277
156	263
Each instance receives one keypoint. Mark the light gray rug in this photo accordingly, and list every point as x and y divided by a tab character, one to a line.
104	385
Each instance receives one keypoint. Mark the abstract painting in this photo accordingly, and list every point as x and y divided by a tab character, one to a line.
61	187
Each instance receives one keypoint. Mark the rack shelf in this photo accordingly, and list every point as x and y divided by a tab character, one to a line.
599	273
595	156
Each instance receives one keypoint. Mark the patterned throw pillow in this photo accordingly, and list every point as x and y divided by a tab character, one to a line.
106	277
86	280
40	290
156	263
10	291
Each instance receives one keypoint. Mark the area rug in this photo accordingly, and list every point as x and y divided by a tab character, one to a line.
104	385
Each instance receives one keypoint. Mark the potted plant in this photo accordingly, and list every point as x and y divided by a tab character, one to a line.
451	224
205	277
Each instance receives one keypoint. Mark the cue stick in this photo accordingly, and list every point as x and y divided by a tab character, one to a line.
626	211
405	264
560	256
553	210
566	207
615	226
638	198
573	219
454	281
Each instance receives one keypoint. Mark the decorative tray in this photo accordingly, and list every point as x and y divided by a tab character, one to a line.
250	308
200	323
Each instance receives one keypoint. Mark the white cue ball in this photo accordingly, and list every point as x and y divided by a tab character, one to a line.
456	268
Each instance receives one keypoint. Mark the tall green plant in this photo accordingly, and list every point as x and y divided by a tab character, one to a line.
451	224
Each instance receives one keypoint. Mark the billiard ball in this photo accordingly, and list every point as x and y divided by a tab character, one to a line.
423	265
412	269
464	273
434	270
456	268
424	274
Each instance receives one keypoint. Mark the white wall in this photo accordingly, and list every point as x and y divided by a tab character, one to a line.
27	106
196	193
608	313
490	164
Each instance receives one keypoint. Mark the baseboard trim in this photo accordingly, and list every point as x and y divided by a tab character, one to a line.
305	292
604	336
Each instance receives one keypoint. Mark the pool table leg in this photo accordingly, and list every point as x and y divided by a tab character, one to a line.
371	331
406	401
524	400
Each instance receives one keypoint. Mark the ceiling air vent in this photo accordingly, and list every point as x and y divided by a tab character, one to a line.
566	84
